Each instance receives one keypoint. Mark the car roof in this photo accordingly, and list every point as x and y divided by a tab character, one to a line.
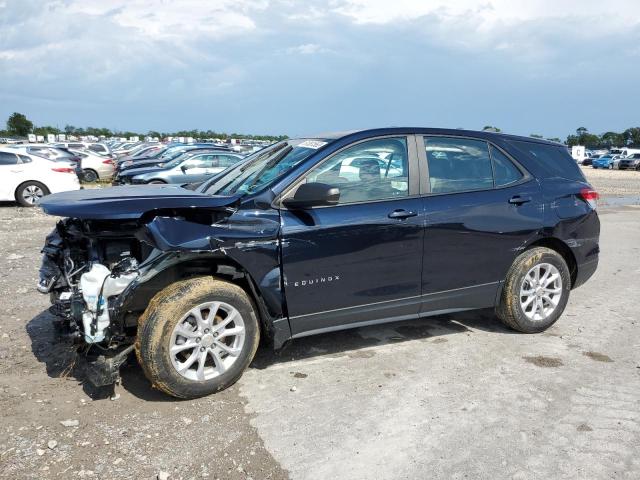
487	135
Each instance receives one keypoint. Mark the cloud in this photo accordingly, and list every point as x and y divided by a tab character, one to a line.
233	64
307	49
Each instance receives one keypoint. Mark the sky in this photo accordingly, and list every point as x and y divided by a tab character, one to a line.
302	67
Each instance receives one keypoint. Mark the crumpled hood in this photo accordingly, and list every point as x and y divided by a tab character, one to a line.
128	202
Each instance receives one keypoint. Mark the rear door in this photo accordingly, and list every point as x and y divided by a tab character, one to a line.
360	261
481	209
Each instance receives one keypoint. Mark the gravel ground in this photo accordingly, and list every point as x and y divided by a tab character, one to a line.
451	397
612	183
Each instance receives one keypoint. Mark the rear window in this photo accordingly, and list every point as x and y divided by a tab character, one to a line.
551	161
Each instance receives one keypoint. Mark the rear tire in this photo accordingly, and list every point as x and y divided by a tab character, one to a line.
28	194
528	305
156	182
187	351
89	175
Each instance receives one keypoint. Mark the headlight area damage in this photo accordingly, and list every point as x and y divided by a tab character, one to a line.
102	273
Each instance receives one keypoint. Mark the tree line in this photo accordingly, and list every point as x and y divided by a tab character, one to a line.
20	126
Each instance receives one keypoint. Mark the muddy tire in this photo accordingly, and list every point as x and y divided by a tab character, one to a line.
197	337
535	292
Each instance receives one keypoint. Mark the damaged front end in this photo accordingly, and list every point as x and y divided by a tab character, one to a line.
86	265
104	262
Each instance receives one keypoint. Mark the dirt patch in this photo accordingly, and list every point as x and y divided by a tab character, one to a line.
598	357
440	340
299	375
547	362
583	427
361	354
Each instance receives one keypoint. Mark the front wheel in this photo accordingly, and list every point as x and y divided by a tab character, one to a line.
197	337
535	292
611	166
156	182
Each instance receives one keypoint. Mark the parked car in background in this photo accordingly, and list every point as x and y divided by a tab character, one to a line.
283	246
145	151
93	166
27	178
587	161
605	161
632	162
171	153
185	169
95	147
624	151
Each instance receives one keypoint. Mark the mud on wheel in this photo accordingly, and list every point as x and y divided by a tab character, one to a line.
197	337
535	292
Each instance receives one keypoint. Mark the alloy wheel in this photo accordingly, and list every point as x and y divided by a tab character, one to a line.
32	194
207	341
540	291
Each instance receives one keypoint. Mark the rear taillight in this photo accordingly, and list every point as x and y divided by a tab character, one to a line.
590	196
63	170
108	161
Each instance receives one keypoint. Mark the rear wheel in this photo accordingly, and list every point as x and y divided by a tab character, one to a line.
156	182
197	337
535	292
611	166
29	193
89	175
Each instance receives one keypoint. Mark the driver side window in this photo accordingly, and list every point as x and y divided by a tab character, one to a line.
368	171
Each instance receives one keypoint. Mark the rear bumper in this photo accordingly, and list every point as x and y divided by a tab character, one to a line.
63	182
585	272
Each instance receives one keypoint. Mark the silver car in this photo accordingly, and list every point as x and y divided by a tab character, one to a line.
196	168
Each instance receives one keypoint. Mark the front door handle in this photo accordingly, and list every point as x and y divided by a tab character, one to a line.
401	214
519	200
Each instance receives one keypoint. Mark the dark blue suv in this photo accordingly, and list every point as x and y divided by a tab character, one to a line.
314	235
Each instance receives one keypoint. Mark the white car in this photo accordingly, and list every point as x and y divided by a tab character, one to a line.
26	178
95	147
94	166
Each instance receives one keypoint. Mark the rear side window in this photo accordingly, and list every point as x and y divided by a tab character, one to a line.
504	171
458	164
552	161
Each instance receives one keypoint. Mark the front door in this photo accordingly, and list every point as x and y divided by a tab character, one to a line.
360	261
481	210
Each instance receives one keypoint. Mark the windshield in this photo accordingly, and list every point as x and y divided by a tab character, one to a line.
263	167
172	152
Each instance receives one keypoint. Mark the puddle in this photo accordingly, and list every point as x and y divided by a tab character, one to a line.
598	357
547	362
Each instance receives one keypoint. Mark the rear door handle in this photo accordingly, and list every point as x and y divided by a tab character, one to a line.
400	214
518	200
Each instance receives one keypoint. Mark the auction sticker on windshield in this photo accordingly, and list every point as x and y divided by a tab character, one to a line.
315	144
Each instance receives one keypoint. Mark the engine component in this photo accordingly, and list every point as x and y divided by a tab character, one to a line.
97	285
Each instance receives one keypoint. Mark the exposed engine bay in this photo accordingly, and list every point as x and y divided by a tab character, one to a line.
86	264
101	273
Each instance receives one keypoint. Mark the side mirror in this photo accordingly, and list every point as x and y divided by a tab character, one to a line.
183	168
313	195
